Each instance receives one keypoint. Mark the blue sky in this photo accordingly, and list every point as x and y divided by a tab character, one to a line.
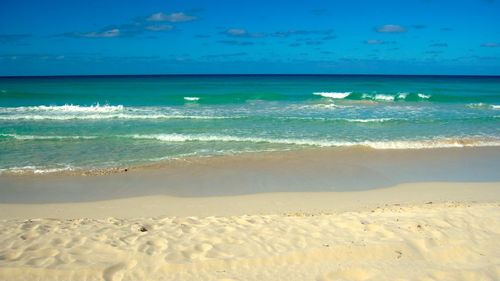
60	37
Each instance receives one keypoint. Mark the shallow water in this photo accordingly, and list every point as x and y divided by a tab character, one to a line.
65	123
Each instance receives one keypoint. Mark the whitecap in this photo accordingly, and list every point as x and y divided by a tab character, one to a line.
40	117
402	96
333	95
397	144
67	108
423	96
38	137
384	97
192	98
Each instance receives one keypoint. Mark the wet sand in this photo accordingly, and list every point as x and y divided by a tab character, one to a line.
318	170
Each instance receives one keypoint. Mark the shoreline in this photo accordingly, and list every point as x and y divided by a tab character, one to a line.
173	161
318	170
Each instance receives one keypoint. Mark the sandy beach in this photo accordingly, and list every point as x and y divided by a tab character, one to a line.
249	140
395	228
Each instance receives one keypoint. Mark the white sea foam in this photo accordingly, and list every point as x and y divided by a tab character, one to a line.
494	106
368	120
323	106
384	97
40	117
191	98
398	144
67	108
228	138
333	95
477	105
423	96
36	170
38	137
402	96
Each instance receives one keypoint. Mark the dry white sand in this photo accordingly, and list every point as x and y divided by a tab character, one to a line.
414	240
425	242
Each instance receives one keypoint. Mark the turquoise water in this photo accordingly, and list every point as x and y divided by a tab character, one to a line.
70	123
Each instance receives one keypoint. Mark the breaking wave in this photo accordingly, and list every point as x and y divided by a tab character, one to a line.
398	144
39	117
69	108
333	95
37	137
374	97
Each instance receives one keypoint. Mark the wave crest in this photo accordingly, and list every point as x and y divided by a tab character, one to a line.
191	98
35	137
398	144
69	108
333	95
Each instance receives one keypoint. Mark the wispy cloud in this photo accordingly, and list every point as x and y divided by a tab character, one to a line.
439	45
160	27
490	45
9	38
374	42
173	17
235	42
156	22
298	32
331	37
433	52
313	42
33	56
228	55
240	32
378	42
115	32
390	28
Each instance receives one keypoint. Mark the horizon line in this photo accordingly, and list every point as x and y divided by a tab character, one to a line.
244	74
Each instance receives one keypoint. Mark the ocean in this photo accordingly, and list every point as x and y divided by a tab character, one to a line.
54	124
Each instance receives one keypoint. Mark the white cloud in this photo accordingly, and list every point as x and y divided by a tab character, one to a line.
236	32
162	27
239	32
390	28
115	32
173	17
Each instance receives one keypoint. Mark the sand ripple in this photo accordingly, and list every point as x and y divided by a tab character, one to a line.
425	242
